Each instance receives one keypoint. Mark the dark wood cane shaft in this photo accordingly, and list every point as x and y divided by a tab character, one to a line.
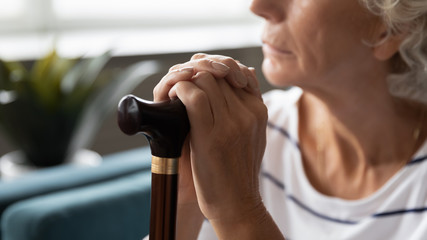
163	206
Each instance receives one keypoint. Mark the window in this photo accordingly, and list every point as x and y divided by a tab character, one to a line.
59	15
28	28
10	13
10	8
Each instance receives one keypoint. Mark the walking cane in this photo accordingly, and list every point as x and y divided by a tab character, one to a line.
165	126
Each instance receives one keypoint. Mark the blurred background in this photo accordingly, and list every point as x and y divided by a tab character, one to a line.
64	64
134	30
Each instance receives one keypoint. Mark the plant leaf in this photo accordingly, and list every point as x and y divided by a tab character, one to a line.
84	73
107	98
11	75
4	76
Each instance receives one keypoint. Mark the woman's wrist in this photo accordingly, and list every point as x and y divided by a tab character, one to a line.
189	221
255	224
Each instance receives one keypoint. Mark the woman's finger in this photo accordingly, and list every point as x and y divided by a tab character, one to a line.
237	74
253	85
198	107
219	67
207	83
161	90
199	56
244	76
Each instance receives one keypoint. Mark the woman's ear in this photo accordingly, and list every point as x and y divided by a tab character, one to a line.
388	43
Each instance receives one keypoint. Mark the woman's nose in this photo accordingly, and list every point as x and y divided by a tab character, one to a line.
270	10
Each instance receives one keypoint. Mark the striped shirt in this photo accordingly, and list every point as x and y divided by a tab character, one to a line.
398	210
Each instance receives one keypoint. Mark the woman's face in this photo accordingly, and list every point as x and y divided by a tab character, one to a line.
306	41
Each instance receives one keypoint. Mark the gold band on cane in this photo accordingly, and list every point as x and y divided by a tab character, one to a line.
167	166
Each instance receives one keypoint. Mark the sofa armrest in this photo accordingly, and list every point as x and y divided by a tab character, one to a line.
62	177
114	210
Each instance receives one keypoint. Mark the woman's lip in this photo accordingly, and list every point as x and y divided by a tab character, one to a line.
270	49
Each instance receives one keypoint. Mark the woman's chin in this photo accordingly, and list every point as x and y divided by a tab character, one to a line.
277	74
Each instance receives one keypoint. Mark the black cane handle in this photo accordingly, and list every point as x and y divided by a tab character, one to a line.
165	125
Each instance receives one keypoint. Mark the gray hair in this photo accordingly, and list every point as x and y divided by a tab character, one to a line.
410	17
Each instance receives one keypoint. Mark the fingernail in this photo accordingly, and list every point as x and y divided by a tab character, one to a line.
252	70
220	66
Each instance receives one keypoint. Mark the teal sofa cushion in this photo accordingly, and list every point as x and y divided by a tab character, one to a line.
54	179
113	210
67	176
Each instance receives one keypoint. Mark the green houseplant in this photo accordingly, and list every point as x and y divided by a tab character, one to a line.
56	107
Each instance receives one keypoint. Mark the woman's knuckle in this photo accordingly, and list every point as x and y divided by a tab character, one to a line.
263	109
206	62
198	56
175	67
230	62
203	75
198	97
156	90
261	112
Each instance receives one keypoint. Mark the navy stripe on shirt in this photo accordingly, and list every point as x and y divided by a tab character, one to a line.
282	186
313	212
284	133
299	203
400	212
417	160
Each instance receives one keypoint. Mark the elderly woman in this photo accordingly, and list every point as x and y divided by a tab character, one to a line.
344	155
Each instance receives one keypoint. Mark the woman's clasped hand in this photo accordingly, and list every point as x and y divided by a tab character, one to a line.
222	156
